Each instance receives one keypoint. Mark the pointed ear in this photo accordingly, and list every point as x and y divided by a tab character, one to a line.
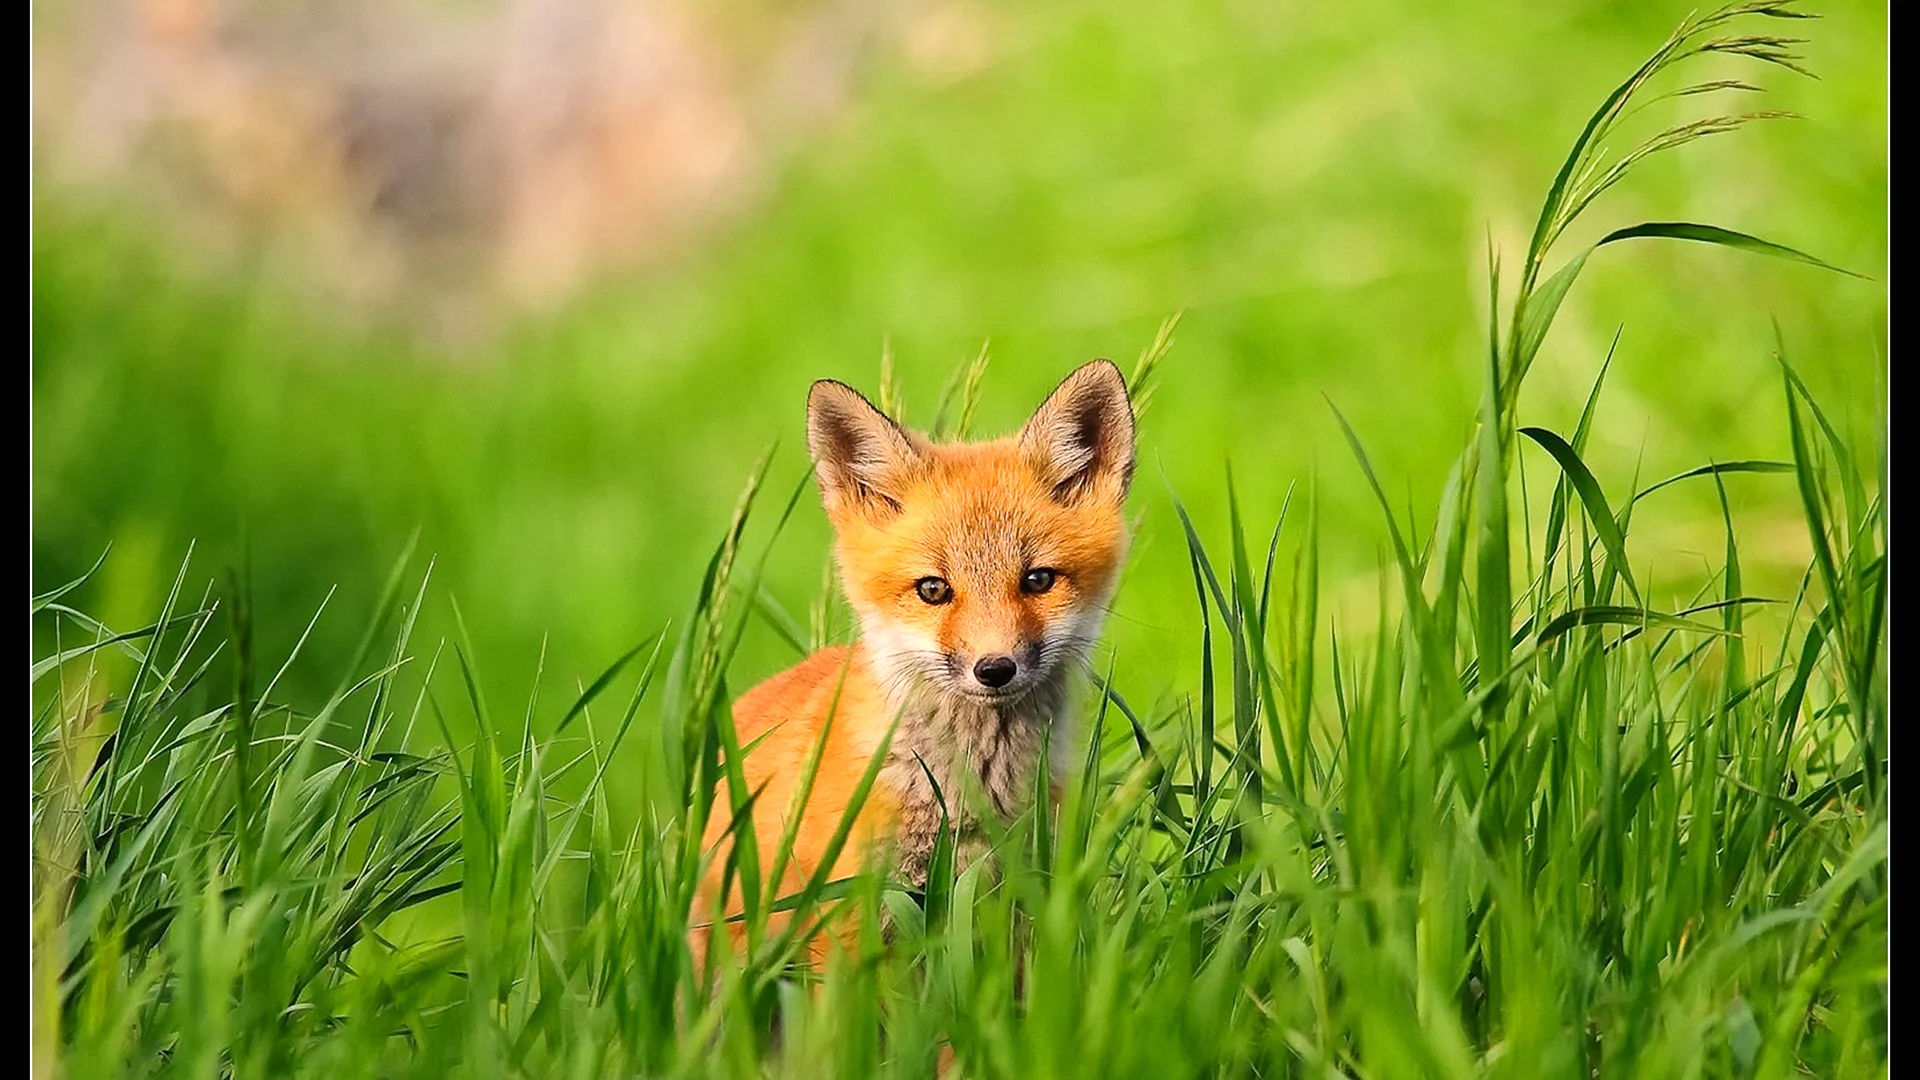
1081	437
859	456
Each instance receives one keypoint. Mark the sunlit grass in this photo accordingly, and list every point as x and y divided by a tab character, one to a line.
1526	822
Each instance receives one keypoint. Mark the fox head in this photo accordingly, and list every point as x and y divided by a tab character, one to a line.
978	570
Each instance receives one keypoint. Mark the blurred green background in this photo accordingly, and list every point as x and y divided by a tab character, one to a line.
563	380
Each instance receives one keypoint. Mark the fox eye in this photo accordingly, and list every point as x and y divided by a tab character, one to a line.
1036	581
933	590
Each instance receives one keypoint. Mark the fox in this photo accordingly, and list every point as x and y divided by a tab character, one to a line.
980	574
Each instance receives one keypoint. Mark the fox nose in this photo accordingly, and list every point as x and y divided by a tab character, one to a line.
995	671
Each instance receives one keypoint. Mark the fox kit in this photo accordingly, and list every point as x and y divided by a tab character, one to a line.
980	573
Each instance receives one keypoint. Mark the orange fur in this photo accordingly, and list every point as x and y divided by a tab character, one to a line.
787	713
982	519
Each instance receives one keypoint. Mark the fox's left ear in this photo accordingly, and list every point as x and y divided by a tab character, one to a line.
1081	437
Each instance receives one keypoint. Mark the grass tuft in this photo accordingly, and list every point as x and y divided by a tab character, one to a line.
1524	825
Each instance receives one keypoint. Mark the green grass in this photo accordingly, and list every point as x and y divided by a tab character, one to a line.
1536	811
1314	186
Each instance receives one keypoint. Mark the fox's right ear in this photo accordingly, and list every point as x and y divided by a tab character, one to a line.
860	457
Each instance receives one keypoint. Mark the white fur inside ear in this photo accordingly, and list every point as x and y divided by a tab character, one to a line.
1082	435
858	454
1068	450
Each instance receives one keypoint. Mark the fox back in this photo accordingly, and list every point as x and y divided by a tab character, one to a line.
980	574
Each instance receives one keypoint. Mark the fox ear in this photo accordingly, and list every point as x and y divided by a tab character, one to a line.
859	456
1081	437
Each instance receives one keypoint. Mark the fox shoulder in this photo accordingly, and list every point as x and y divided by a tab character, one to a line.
783	695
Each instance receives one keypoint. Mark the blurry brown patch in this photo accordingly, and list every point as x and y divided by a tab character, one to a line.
434	162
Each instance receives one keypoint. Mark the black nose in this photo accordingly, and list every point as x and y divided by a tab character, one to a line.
995	671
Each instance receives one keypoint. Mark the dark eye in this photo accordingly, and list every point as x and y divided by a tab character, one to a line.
933	590
1036	581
